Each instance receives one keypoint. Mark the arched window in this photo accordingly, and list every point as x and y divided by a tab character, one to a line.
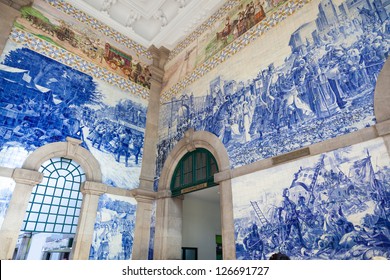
55	203
194	171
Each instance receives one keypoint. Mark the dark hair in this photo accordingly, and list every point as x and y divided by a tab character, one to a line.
279	256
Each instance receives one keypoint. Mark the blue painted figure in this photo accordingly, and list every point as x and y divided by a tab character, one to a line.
125	138
253	244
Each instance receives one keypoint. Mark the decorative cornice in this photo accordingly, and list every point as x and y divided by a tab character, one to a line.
202	28
99	26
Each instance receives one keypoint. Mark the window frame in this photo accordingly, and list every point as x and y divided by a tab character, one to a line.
179	173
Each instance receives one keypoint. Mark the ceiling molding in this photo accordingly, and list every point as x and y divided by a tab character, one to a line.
150	22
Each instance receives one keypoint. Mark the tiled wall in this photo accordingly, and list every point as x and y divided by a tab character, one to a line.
114	228
331	206
309	78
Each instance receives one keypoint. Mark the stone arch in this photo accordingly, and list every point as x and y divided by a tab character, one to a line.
70	149
191	141
382	94
28	176
168	237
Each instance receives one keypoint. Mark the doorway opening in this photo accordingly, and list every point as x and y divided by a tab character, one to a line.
201	216
201	228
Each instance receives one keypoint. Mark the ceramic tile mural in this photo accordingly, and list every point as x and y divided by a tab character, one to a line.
76	35
43	101
308	79
331	206
114	228
222	36
7	186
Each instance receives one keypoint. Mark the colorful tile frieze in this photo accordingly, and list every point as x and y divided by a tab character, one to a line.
251	35
203	27
99	26
47	49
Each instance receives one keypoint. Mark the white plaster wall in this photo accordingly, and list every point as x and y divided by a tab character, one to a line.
201	222
37	243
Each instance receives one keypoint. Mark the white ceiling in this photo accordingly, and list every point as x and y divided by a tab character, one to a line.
151	22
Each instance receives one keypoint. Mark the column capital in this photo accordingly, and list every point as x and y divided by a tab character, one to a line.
142	195
93	188
159	56
383	128
27	177
164	194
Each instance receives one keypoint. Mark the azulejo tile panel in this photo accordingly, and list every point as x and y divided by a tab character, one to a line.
43	47
99	26
251	35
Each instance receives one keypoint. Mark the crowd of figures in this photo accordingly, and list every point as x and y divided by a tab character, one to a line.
113	238
323	89
121	141
320	222
58	102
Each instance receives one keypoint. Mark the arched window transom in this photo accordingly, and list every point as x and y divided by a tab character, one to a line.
194	171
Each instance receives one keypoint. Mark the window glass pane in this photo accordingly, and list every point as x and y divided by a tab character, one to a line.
51	218
56	201
49	191
54	209
66	229
40	227
48	199
30	226
33	217
62	211
42	218
60	219
38	199
35	207
58	228
40	190
45	208
49	227
64	201
72	203
58	192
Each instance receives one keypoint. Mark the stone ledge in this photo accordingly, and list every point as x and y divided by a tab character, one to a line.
27	177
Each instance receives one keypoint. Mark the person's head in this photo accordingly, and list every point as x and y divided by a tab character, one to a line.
279	256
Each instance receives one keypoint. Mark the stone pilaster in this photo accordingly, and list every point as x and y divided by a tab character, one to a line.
25	181
143	222
91	193
383	130
7	18
169	221
148	170
227	219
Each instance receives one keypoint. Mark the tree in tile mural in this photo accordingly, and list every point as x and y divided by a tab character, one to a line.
332	206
